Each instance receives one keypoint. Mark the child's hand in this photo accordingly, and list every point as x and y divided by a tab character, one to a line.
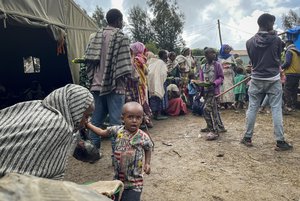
147	168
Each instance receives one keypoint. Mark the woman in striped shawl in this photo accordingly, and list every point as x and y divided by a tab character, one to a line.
37	136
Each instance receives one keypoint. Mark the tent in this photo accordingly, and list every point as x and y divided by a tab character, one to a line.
45	35
293	34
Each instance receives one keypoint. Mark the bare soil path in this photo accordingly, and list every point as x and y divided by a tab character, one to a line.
186	167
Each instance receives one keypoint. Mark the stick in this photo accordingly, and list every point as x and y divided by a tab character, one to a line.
237	84
176	152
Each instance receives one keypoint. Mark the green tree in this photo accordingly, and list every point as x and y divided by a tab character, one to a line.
198	52
140	26
290	20
98	17
167	23
151	46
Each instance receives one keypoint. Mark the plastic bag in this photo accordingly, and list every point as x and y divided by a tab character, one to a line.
85	150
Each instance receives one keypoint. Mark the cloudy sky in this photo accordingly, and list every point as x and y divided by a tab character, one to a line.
237	18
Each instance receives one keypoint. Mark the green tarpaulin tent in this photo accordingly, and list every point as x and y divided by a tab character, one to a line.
55	32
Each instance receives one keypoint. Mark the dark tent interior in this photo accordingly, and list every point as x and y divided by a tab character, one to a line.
50	72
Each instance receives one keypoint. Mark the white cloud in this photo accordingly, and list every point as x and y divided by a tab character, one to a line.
118	4
238	18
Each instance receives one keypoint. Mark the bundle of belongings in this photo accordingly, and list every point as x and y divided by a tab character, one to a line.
30	188
85	150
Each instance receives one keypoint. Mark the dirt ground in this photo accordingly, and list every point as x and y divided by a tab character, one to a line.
186	167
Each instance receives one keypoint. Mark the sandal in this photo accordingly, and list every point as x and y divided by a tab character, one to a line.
211	136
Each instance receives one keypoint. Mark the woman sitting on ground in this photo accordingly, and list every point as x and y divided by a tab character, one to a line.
176	104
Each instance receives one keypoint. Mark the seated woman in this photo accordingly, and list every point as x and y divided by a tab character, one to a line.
176	104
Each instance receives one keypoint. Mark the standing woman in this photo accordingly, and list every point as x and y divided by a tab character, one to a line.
37	136
139	61
228	64
156	82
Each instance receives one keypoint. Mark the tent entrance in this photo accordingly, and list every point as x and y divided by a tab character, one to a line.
19	43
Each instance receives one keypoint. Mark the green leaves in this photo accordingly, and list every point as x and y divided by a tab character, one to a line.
164	28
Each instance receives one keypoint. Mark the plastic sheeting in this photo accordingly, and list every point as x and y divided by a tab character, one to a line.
63	19
17	187
293	34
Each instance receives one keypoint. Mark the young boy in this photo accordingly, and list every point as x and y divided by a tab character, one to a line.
131	146
212	78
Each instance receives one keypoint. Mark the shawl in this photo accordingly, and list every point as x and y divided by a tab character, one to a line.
137	48
157	75
139	64
188	62
117	64
37	136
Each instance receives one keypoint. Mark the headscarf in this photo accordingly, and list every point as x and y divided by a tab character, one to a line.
172	87
222	54
184	50
71	101
151	57
137	48
36	136
180	59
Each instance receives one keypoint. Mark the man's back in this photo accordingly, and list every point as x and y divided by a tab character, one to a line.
264	50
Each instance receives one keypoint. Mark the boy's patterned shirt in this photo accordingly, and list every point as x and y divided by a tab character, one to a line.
129	155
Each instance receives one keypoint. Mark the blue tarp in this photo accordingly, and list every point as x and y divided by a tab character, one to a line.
293	34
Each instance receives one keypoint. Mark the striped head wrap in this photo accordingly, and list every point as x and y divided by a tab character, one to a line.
71	101
36	136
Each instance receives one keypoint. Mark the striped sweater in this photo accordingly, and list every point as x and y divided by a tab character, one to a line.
36	136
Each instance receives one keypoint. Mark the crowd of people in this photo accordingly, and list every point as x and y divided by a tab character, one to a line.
129	87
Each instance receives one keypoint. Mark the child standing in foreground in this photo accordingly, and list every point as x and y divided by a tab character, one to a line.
131	147
212	78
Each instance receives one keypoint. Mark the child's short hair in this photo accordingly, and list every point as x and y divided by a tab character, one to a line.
239	70
264	19
162	53
191	75
208	50
171	54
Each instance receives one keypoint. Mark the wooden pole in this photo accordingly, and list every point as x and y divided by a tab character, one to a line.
237	84
219	28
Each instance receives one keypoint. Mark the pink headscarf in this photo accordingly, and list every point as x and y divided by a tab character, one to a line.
137	48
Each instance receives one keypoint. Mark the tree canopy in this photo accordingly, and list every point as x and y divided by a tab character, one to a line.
98	17
140	25
162	31
167	23
290	20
